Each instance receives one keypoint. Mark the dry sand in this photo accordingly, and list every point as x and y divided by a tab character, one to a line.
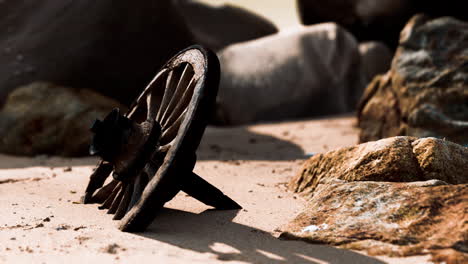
42	222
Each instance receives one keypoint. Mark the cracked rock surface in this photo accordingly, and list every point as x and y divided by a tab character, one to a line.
398	196
397	159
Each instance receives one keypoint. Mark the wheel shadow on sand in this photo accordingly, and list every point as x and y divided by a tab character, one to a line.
214	232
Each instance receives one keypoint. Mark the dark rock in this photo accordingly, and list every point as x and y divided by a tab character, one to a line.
383	218
379	115
376	58
221	25
398	159
113	47
425	93
42	118
312	71
376	19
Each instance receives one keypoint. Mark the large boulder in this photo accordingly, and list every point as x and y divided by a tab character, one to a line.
384	218
375	19
112	46
426	90
42	118
397	159
376	59
311	71
399	196
217	26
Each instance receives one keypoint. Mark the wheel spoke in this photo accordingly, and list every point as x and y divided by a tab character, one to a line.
153	102
140	183
139	113
182	85
151	88
156	161
181	104
108	202
116	202
171	83
164	149
123	206
97	180
171	132
132	111
150	169
104	192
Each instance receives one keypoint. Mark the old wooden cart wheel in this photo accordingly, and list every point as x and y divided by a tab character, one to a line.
150	151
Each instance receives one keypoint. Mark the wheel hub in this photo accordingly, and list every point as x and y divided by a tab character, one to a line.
124	143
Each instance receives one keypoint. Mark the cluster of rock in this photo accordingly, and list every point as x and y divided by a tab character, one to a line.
315	70
425	93
113	47
319	69
398	196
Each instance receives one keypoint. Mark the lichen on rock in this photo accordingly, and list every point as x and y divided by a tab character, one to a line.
396	219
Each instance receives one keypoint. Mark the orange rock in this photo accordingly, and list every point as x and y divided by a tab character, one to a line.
397	159
396	219
388	197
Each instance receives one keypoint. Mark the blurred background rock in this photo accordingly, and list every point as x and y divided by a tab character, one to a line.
280	59
281	12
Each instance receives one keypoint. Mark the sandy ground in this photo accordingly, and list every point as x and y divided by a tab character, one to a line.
43	222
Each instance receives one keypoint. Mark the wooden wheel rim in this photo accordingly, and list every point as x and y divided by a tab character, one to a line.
180	156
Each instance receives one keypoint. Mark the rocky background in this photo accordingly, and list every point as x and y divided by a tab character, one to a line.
401	65
35	119
425	93
267	74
